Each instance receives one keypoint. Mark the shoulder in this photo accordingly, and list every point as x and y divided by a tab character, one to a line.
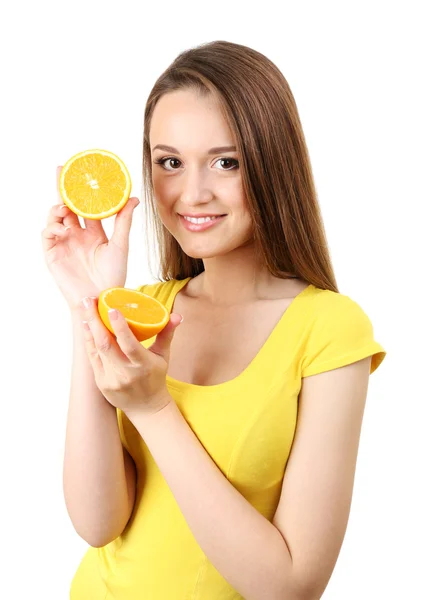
164	291
336	310
157	289
338	332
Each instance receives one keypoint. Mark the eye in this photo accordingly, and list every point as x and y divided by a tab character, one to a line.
162	161
233	160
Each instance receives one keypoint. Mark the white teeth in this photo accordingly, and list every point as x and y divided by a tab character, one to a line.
201	220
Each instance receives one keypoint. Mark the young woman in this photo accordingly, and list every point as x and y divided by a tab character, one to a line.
216	460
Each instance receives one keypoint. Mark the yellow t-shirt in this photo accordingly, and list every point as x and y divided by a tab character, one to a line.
247	426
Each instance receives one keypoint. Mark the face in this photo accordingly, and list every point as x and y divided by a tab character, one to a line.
192	179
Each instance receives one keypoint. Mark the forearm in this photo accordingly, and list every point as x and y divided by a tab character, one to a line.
246	549
94	479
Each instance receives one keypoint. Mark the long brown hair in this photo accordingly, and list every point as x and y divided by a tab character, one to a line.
277	179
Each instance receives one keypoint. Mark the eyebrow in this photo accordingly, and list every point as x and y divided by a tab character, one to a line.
211	151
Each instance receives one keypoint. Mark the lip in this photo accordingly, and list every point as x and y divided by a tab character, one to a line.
201	215
202	226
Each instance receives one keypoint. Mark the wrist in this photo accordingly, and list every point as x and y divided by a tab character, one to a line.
75	309
142	417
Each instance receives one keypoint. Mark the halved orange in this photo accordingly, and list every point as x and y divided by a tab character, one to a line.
95	184
145	315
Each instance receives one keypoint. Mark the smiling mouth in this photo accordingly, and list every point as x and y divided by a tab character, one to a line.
202	216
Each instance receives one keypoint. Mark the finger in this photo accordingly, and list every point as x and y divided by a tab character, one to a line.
94	225
104	341
56	214
125	338
70	219
122	224
51	234
91	349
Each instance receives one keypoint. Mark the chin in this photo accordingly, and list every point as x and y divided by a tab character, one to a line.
206	252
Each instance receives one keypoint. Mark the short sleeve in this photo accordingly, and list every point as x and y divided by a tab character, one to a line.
141	288
341	334
151	289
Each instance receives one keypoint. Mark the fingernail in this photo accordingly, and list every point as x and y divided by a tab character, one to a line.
86	302
182	318
113	314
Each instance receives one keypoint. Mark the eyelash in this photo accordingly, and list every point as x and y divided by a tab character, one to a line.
161	162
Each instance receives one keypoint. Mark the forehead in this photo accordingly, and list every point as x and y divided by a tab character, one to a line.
184	116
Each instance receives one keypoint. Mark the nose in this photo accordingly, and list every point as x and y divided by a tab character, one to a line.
196	187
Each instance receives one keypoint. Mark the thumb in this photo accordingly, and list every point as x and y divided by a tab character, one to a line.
123	222
164	338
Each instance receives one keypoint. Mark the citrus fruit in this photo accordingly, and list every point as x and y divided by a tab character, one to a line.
95	184
145	315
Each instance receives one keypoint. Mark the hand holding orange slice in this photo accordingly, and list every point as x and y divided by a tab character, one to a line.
145	315
95	184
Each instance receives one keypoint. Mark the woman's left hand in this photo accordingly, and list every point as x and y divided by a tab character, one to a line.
130	376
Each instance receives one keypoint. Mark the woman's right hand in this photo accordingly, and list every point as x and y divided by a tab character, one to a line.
82	260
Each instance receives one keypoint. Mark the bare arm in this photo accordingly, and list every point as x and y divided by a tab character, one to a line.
98	475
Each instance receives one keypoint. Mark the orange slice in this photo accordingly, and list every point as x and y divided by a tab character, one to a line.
145	315
95	184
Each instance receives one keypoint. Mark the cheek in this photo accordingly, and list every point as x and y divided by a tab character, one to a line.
160	187
164	196
235	194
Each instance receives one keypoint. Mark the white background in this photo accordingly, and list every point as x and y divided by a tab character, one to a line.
76	75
